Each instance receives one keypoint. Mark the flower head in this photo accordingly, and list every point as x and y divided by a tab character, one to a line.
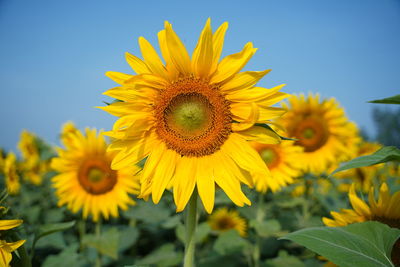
282	161
86	180
10	172
191	117
224	220
322	129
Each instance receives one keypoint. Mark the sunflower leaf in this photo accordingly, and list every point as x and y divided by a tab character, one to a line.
389	100
106	243
366	244
230	242
48	229
385	154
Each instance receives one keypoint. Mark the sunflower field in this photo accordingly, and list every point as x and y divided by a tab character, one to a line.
202	167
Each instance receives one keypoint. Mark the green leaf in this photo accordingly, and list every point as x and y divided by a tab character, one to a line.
163	256
360	244
266	228
106	243
128	238
148	212
389	100
67	258
284	260
230	242
385	154
48	229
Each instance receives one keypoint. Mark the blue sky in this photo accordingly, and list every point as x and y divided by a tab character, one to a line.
54	53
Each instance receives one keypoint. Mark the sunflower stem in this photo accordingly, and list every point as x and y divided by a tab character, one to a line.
98	235
191	222
259	218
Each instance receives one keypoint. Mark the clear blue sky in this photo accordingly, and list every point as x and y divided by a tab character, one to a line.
53	54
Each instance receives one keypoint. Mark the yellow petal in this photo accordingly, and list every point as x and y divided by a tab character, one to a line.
138	65
205	183
229	184
243	80
134	154
358	205
177	51
173	73
203	53
118	77
184	182
164	172
232	64
244	155
9	224
218	43
252	118
151	58
261	135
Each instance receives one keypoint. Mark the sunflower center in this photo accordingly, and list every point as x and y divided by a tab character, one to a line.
312	133
96	177
189	114
225	224
192	117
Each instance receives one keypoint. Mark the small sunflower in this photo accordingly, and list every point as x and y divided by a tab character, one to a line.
322	129
191	118
29	149
6	248
67	129
86	180
11	176
386	210
282	161
362	177
223	220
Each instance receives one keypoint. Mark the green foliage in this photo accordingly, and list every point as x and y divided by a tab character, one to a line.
230	242
106	243
283	260
163	257
389	100
361	244
48	229
383	155
266	228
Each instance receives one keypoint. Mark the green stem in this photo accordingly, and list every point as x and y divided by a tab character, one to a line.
98	235
81	231
259	218
24	258
191	222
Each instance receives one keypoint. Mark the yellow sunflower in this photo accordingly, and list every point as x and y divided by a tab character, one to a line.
67	129
386	210
86	180
11	176
6	248
282	161
322	129
191	118
34	174
223	220
28	147
362	177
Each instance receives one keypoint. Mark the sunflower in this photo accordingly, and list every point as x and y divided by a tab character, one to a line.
386	210
224	220
282	161
10	172
191	118
6	248
322	129
29	149
67	129
34	174
362	177
86	180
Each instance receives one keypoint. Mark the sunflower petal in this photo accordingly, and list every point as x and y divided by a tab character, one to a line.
203	53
